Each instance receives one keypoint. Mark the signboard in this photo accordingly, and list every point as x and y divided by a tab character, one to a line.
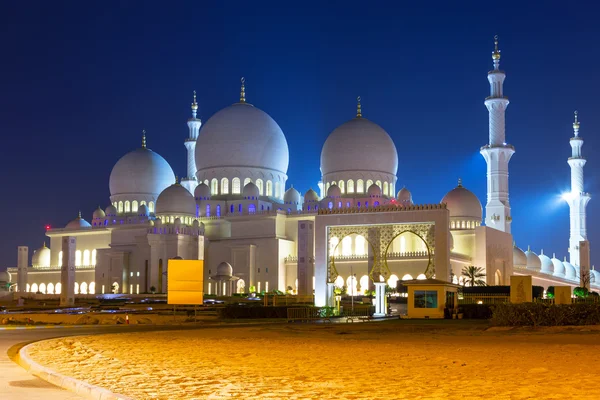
185	281
562	294
520	289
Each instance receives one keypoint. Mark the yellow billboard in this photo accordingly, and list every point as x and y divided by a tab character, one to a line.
185	281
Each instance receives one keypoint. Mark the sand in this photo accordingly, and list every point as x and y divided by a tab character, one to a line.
390	360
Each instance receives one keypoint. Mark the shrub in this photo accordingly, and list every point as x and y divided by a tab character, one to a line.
476	311
581	292
538	314
550	292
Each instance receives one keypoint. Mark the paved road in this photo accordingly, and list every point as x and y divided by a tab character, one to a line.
16	383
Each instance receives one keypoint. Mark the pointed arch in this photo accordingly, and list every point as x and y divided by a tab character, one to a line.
224	186
350	186
341	186
360	186
235	186
259	184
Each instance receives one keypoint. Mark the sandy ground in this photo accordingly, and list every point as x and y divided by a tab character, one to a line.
97	319
390	360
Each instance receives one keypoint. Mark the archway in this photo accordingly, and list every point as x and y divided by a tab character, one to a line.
429	270
339	243
498	278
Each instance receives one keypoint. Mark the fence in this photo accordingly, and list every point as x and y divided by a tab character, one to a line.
361	312
286	300
306	314
473	298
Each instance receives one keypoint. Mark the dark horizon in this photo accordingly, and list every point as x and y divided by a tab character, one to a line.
81	81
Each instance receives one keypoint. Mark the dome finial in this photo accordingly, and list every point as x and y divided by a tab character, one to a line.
496	53
243	90
358	108
528	248
177	179
194	106
576	125
459	182
143	138
79	214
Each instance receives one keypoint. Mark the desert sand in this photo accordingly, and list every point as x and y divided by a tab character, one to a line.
387	360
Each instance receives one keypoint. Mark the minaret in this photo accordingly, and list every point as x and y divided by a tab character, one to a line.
577	198
497	153
194	124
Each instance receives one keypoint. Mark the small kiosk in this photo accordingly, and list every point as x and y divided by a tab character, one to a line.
427	298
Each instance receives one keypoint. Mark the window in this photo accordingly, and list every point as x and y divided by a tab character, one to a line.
208	210
251	209
92	288
134	206
34	288
231	209
83	288
341	185
259	184
347	204
76	288
360	186
269	188
240	208
50	289
378	183
330	205
369	183
258	285
375	204
247	181
350	187
209	287
277	190
86	257
78	258
60	258
218	210
327	188
127	206
42	288
339	204
339	282
120	206
241	286
151	207
426	299
385	189
266	286
214	186
352	285
235	186
392	281
364	283
224	186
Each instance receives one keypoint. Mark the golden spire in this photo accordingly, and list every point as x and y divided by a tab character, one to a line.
194	104
576	125
496	53
243	91
358	108
143	138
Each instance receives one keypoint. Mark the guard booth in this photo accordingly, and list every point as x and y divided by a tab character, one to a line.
427	298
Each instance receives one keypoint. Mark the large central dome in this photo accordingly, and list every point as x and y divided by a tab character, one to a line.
242	135
359	145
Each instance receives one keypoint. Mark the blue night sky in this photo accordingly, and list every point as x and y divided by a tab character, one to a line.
79	81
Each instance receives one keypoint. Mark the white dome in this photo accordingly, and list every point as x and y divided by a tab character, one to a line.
176	200
404	196
559	268
594	277
224	269
250	191
242	135
463	203
140	172
334	191
547	265
374	191
311	195
111	211
570	272
359	145
41	257
78	223
202	192
291	196
98	213
4	276
143	211
519	258
533	261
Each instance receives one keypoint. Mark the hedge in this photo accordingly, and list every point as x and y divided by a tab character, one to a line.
539	314
536	291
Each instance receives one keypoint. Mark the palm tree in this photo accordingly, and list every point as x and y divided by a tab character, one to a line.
472	276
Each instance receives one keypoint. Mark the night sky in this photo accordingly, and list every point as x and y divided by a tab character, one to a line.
79	81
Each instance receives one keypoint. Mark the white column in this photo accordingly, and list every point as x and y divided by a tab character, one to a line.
22	261
380	300
330	299
67	273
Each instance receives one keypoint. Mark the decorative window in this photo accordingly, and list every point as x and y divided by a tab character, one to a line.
385	189
224	186
86	257
327	187
78	258
247	181
341	185
120	206
378	183
426	299
94	254
350	186
251	209
330	205
360	188
235	186
352	285
208	210
259	184
240	208
151	207
231	209
214	186
134	206
218	210
369	183
269	188
127	206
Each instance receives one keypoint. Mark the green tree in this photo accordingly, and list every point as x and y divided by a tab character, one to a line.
472	276
581	292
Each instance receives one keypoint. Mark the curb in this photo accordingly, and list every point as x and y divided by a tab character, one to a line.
74	385
14	327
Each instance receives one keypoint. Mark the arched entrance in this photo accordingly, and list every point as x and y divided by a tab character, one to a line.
429	270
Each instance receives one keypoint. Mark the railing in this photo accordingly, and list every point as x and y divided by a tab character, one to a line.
360	312
306	314
284	300
58	267
363	257
472	298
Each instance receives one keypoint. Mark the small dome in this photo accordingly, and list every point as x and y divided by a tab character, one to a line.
404	197
150	222
250	191
98	213
559	268
359	145
140	172
158	222
4	276
311	196
547	265
176	200
291	196
533	261
334	191
463	203
519	258
594	277
202	192
196	224
41	257
224	269
78	223
111	211
143	211
570	272
374	191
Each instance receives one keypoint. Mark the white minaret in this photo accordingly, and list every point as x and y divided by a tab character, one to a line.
497	153
577	198
189	182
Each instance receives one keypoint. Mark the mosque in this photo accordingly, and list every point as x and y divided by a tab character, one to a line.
256	232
